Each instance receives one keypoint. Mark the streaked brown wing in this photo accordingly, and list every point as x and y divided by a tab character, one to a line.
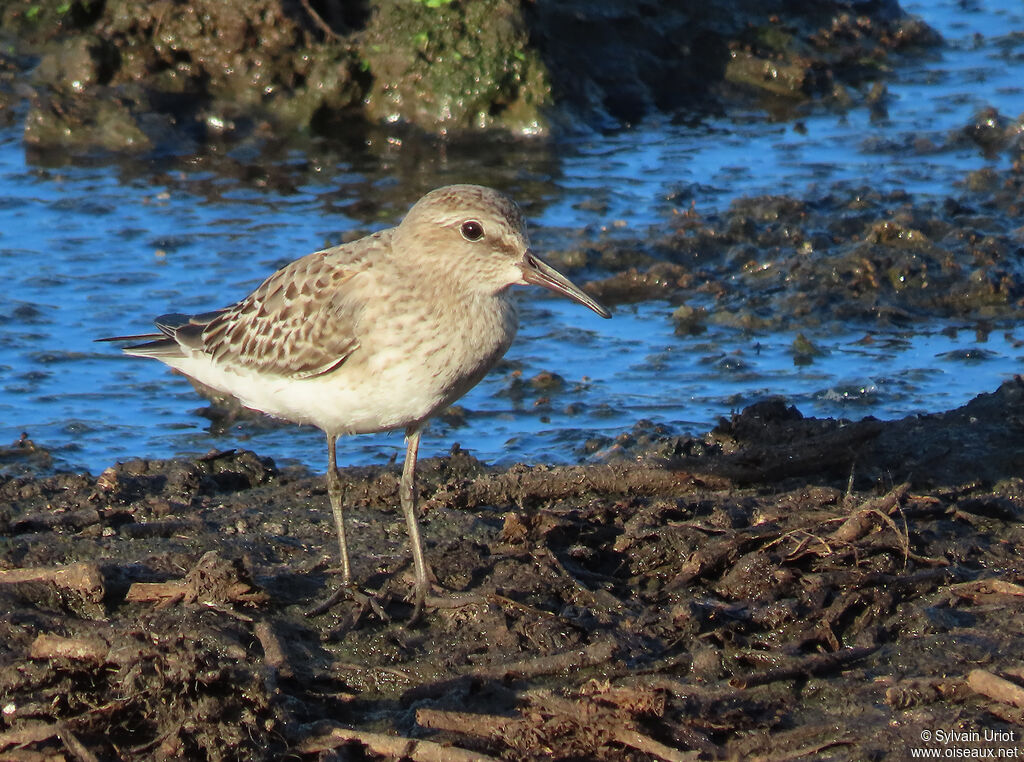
300	323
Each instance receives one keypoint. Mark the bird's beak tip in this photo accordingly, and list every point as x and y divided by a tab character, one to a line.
539	273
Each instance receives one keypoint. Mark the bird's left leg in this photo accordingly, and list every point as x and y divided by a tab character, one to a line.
336	493
407	496
347	590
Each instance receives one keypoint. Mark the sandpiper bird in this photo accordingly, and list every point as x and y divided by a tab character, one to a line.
378	334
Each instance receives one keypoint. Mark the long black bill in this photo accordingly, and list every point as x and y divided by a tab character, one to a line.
539	273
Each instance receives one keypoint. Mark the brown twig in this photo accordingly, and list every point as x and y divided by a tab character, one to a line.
76	747
805	667
588	656
82	578
513	487
394	747
37	732
633	739
579	713
861	520
804	751
273	653
47	646
996	688
984	587
163	593
318	20
212	581
468	723
29	733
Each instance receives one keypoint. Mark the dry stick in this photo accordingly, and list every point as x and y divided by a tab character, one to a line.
47	646
76	747
805	667
589	656
496	727
631	738
456	600
979	587
469	723
273	653
396	747
803	752
29	733
317	19
502	600
164	593
546	484
82	578
683	690
996	688
37	732
208	582
860	521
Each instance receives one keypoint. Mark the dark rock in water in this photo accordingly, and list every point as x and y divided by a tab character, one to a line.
126	75
856	255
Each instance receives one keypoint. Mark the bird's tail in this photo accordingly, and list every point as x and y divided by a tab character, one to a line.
163	344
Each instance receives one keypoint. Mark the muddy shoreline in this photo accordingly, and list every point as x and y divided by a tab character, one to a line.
779	587
139	77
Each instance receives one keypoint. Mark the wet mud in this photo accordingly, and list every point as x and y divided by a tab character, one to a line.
782	587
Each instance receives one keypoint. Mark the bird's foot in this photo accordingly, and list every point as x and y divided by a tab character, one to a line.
349	592
433	597
423	598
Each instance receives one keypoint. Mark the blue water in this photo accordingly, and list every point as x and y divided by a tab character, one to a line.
89	251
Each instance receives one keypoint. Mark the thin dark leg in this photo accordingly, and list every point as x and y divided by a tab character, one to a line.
407	495
337	494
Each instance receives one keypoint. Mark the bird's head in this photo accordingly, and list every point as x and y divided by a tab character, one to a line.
478	236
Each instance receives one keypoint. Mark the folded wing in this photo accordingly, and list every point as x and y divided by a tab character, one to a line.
302	322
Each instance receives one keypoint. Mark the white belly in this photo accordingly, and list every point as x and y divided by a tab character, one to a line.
384	385
336	402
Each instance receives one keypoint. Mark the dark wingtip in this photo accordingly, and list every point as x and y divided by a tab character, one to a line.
136	337
168	325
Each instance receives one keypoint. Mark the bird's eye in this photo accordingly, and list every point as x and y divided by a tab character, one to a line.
472	230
